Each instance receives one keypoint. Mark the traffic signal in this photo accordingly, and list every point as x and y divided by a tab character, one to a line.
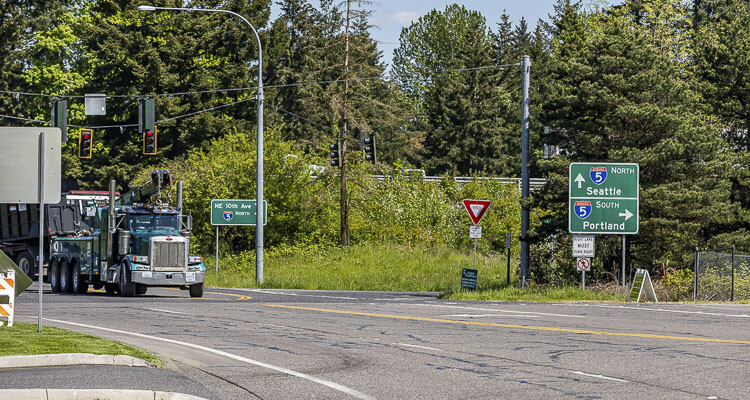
60	117
85	140
146	114
369	148
335	154
149	142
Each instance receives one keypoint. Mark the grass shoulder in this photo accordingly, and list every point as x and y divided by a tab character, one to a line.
388	267
23	339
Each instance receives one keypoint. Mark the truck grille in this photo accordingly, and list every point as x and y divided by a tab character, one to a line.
168	256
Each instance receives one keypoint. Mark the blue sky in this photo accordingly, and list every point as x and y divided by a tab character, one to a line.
392	15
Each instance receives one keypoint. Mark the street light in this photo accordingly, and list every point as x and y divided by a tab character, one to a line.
259	178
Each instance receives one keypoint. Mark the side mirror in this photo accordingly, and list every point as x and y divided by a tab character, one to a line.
190	222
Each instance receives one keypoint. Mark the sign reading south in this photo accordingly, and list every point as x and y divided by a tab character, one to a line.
603	198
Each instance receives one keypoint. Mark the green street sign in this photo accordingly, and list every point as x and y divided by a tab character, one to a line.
236	212
603	198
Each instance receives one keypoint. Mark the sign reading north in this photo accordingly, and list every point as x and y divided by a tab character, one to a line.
603	198
236	212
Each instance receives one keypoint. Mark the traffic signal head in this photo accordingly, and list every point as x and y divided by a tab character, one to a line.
335	154
149	142
85	140
369	147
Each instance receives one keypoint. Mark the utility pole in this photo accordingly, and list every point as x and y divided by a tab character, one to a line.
525	256
343	134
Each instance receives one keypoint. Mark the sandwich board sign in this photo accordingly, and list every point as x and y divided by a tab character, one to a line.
476	209
642	285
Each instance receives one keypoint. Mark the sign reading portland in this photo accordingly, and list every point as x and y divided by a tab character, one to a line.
603	198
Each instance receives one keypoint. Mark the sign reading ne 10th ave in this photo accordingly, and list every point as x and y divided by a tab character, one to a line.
236	212
603	198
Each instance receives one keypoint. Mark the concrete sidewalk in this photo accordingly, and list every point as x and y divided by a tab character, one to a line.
88	376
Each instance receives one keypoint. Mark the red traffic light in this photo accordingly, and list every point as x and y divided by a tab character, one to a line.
86	136
150	133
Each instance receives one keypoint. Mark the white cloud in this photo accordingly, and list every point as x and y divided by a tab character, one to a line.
404	17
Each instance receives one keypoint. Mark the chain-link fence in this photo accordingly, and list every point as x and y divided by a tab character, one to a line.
721	275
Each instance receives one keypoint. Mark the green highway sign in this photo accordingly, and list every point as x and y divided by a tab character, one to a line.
603	198
236	212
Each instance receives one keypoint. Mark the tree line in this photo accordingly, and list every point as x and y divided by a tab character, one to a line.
663	83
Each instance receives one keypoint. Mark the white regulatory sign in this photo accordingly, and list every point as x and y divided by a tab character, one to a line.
583	246
475	232
583	264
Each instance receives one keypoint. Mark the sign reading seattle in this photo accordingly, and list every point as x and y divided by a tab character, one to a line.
603	198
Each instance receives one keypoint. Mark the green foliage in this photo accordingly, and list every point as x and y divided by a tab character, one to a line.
680	284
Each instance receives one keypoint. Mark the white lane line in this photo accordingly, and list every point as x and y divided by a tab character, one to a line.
500	310
488	315
165	311
640	308
419	347
283	370
609	378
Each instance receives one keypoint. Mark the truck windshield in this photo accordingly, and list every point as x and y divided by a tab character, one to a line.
151	222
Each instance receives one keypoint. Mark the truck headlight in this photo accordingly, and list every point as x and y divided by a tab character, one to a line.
139	259
195	260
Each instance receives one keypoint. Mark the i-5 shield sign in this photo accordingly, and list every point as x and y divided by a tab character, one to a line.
603	198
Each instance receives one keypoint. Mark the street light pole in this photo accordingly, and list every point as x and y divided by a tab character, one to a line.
259	178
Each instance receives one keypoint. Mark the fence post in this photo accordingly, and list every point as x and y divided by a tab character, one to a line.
695	275
732	297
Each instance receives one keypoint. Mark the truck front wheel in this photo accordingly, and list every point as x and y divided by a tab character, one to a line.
65	277
127	287
196	290
54	275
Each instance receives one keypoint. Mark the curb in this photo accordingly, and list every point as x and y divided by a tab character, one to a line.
92	394
65	359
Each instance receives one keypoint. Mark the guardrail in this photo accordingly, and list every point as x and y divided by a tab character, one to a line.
534	183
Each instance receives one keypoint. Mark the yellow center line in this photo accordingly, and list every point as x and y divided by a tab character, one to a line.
239	296
529	327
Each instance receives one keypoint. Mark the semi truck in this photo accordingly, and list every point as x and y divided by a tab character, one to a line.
123	244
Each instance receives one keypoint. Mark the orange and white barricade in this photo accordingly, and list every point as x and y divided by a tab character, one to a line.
7	288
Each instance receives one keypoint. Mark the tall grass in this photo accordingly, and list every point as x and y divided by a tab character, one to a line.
369	266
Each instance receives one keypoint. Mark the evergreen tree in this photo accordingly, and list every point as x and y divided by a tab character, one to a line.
619	98
463	110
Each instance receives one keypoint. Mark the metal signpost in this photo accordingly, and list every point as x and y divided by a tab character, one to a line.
507	247
583	265
604	199
31	165
234	212
476	210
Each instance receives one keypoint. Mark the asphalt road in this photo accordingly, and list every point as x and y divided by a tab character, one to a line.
282	344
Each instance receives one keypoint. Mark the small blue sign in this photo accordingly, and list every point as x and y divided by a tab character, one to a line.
582	209
598	175
228	215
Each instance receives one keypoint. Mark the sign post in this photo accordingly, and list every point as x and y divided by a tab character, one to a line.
583	265
476	210
507	247
603	198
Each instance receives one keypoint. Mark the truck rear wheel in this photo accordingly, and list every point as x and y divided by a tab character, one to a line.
79	283
66	286
25	262
127	287
196	290
54	275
